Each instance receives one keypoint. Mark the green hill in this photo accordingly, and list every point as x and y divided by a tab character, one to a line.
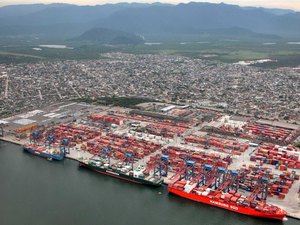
109	36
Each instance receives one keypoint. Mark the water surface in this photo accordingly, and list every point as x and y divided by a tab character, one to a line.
34	191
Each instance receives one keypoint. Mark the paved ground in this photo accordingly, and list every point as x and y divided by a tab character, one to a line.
291	203
57	113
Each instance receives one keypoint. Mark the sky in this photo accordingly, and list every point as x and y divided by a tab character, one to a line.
285	4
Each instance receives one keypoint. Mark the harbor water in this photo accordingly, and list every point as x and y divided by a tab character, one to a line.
34	191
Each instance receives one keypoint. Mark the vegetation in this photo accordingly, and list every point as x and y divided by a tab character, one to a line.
240	35
20	50
110	36
149	19
128	102
297	144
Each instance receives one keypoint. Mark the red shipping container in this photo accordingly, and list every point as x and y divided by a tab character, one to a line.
281	195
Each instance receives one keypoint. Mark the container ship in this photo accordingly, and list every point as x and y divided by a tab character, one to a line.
122	171
51	154
47	147
215	189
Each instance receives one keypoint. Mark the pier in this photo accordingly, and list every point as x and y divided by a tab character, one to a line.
159	146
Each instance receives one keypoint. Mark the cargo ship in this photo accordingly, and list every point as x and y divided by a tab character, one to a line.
232	201
50	154
121	171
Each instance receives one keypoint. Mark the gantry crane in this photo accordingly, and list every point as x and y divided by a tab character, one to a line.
260	191
189	170
163	166
49	140
64	146
129	159
35	136
209	177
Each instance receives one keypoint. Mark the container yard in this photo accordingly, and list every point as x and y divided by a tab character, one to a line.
243	165
217	142
260	130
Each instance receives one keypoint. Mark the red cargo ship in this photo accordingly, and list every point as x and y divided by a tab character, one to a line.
218	199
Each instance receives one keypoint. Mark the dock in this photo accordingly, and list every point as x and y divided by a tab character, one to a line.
161	145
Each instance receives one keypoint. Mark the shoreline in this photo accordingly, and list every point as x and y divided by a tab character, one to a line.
15	141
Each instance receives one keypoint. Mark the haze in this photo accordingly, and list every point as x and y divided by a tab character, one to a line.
285	4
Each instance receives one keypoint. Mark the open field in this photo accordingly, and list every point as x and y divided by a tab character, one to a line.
282	52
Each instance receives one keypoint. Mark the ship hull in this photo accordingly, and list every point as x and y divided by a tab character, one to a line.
121	176
226	205
44	155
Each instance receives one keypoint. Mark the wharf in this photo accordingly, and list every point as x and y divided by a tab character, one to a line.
77	155
73	155
13	140
291	203
86	134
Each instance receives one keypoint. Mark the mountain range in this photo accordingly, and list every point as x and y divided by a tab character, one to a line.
147	20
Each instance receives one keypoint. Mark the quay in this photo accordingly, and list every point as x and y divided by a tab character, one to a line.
160	144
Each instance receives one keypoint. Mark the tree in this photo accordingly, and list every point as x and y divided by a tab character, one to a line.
297	144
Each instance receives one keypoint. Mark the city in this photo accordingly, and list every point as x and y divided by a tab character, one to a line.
235	89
